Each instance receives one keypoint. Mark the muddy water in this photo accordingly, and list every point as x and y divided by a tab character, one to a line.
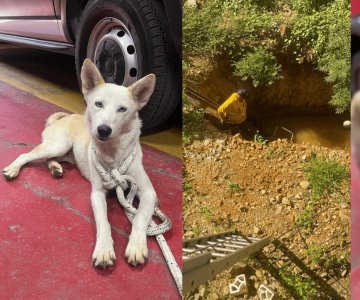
316	129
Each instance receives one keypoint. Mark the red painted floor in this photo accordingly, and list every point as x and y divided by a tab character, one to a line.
355	230
47	230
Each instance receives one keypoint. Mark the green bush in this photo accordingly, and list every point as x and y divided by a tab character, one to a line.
306	217
259	139
234	187
305	288
315	253
308	6
253	34
259	66
192	115
325	176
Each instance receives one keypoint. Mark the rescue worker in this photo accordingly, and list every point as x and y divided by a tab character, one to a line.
233	110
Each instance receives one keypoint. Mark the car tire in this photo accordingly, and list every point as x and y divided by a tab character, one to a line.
144	29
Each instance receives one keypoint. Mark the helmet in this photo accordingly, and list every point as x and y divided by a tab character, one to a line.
242	92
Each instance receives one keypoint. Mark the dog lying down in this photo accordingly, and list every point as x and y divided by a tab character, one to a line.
112	127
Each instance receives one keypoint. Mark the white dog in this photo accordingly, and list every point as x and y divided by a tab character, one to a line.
112	127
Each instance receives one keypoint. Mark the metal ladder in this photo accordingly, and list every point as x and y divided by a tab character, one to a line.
200	100
205	257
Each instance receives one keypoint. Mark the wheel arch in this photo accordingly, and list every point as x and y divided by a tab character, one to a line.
74	9
173	11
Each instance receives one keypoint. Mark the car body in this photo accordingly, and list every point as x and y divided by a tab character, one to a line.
59	25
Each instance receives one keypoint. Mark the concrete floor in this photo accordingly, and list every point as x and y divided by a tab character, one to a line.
47	228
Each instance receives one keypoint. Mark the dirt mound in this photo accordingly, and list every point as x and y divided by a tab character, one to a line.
261	190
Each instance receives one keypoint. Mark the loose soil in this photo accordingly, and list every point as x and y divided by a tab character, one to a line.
260	190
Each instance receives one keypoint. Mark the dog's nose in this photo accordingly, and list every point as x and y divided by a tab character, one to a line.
104	131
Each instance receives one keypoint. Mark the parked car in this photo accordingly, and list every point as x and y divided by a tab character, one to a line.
127	39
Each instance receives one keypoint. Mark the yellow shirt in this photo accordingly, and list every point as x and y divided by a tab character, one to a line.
233	110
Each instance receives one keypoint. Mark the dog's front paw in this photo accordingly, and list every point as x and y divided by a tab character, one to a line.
104	254
136	251
11	172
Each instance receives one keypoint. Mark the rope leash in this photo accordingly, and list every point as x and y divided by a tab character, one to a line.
120	182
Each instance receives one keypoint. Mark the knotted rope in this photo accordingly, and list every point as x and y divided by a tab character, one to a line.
118	180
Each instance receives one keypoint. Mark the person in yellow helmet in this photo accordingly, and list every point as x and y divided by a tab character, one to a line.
233	110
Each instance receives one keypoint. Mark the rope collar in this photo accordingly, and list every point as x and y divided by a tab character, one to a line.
118	179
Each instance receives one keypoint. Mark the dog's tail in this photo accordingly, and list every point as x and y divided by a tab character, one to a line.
54	117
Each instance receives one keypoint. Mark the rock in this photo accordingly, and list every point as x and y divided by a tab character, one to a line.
219	142
206	142
344	216
257	230
266	249
263	192
213	296
278	198
285	201
202	290
347	124
225	290
343	273
192	3
258	274
324	274
278	210
304	157
197	296
305	184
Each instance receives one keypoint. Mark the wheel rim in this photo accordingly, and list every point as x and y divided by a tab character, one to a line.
112	48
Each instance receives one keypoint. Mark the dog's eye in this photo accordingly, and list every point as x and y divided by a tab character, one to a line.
98	104
122	109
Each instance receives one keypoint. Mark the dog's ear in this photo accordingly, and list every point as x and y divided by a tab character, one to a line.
142	89
90	76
